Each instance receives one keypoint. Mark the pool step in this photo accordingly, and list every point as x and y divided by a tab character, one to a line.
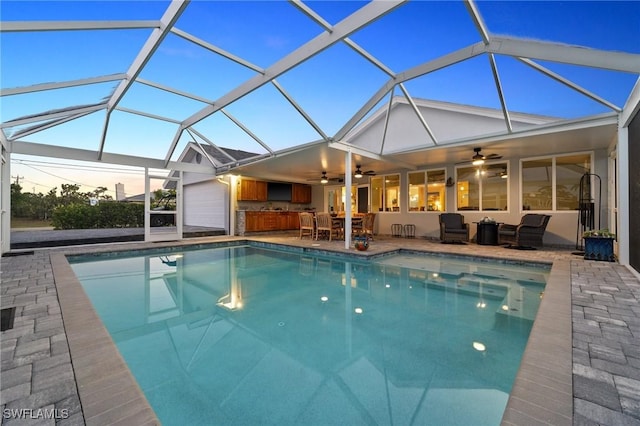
518	301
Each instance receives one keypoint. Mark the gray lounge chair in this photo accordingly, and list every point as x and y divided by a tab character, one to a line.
528	233
453	229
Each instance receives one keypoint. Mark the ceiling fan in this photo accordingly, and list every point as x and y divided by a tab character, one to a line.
478	159
325	179
359	173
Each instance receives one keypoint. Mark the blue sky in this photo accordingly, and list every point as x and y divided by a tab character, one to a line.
331	87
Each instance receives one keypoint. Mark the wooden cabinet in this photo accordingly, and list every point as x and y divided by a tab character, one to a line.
283	220
261	190
294	220
300	194
251	221
256	190
270	221
252	190
256	221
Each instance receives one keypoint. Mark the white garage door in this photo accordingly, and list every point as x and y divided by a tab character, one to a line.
206	204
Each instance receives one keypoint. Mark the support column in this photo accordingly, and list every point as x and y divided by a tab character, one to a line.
347	200
5	201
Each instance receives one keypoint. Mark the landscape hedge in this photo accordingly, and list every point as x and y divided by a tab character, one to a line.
104	215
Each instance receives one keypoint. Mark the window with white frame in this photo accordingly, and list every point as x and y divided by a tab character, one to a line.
482	187
385	193
427	190
553	183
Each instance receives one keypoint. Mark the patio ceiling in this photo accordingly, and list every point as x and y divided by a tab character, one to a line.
292	87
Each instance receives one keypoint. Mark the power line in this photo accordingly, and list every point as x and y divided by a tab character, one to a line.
40	184
63	178
79	167
109	191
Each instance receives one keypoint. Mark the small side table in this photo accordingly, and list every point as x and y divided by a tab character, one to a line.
487	233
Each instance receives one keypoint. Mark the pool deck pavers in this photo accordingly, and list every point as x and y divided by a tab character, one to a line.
581	366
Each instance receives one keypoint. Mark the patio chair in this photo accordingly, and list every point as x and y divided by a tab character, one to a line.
528	233
327	226
306	224
367	225
453	229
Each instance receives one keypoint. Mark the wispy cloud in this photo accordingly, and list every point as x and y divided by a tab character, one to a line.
185	53
276	42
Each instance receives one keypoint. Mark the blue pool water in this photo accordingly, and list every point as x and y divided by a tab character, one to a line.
247	335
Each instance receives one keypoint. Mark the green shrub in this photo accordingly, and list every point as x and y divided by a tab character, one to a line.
104	215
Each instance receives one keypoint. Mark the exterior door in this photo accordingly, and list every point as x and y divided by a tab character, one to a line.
162	208
363	199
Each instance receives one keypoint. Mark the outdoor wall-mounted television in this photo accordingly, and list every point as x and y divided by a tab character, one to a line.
278	191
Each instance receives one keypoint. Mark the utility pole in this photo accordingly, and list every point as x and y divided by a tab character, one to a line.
17	178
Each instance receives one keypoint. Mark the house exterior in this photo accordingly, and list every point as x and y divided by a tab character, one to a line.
528	170
206	198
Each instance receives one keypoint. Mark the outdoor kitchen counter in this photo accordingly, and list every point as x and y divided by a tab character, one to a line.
266	220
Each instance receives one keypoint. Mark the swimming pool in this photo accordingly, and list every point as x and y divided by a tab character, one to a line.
246	335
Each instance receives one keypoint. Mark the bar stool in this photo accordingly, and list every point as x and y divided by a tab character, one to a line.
409	231
396	230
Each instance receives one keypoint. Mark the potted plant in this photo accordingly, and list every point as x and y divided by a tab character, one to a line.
598	245
361	243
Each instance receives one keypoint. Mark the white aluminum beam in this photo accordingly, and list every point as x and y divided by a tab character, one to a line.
148	115
387	117
204	138
246	130
4	142
632	106
417	111
312	14
434	65
348	173
167	21
301	111
67	153
5	196
364	110
369	57
174	143
202	150
569	83
477	20
352	44
624	202
503	102
47	125
52	115
362	17
62	85
343	146
174	91
31	26
217	50
574	55
442	62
